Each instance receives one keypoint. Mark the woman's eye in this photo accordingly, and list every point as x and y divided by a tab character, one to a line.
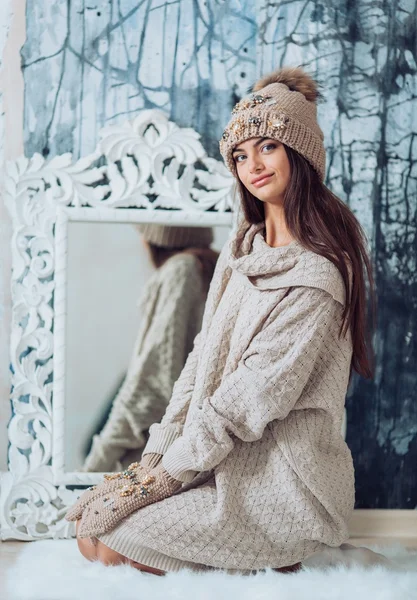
268	146
238	157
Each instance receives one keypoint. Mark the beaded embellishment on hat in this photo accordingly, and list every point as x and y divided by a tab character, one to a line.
237	126
278	122
254	100
250	102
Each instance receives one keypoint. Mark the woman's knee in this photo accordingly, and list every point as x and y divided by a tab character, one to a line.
108	556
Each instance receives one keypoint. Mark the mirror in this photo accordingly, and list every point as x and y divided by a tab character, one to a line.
109	274
78	271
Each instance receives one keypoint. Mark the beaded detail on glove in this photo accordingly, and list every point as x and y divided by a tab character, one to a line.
132	493
140	487
126	474
112	482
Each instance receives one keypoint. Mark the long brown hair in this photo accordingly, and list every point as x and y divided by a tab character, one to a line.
324	224
207	258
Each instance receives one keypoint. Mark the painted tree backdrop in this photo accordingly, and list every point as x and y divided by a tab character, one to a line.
88	64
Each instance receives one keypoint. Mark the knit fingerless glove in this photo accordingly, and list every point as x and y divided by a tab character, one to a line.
112	482
106	511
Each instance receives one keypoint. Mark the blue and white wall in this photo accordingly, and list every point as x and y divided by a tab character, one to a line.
88	64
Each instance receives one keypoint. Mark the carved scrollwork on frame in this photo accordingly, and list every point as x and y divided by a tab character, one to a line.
149	164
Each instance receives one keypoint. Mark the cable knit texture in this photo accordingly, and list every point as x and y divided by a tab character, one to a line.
171	314
256	414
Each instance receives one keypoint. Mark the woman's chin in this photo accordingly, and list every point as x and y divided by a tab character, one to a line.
267	196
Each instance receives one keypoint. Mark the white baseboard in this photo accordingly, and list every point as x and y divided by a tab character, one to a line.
383	523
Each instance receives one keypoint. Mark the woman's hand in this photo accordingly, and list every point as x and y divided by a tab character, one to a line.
112	482
106	511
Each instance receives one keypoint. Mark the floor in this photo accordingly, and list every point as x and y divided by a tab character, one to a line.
9	551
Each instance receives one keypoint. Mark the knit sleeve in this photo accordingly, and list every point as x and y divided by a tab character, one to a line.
265	386
159	356
163	434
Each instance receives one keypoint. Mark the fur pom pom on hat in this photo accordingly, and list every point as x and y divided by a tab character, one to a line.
296	79
282	106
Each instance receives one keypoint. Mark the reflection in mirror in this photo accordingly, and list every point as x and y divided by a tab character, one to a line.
135	301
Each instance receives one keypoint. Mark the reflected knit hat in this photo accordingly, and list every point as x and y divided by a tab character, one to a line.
282	107
171	236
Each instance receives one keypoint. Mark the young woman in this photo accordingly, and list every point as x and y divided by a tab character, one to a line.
248	468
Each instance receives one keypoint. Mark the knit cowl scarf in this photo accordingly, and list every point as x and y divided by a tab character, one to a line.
266	268
262	265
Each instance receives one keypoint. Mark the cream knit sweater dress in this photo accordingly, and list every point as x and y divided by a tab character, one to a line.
254	422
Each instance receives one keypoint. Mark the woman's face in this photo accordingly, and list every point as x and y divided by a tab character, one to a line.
262	166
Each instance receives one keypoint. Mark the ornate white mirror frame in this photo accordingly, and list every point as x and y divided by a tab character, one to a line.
149	170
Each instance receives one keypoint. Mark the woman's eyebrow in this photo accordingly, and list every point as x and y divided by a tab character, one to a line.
254	145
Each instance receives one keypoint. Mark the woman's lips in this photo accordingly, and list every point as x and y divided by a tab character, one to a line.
262	181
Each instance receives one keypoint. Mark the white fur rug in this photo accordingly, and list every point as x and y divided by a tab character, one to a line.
55	570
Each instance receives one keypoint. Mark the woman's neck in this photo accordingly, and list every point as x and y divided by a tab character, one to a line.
276	231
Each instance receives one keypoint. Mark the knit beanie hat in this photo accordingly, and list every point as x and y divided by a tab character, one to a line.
170	236
282	107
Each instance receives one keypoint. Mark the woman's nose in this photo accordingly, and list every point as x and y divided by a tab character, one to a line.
255	165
